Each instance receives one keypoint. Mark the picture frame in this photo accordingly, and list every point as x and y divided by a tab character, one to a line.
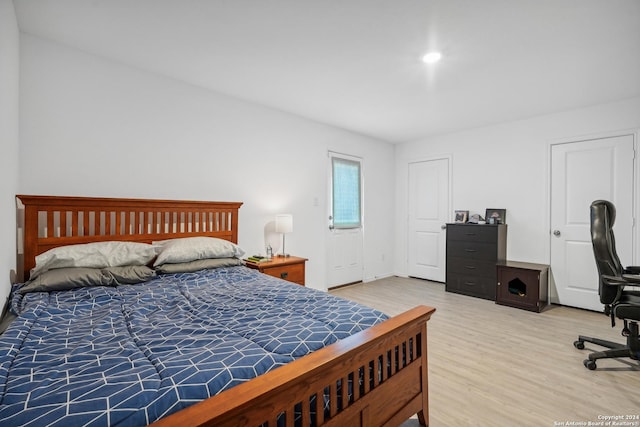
495	216
460	217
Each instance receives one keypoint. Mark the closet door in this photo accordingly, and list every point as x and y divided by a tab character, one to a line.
581	172
429	210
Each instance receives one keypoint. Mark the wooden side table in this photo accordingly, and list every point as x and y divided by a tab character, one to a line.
522	285
289	268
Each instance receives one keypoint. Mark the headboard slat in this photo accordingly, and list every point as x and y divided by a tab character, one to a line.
74	222
63	223
77	220
86	228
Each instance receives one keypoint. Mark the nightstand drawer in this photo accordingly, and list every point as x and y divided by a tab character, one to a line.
292	273
289	268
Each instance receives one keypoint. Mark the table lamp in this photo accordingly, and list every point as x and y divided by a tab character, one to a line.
284	224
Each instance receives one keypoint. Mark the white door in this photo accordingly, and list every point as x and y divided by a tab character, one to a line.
582	172
344	241
429	212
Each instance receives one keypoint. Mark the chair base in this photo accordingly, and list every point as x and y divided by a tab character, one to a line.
631	349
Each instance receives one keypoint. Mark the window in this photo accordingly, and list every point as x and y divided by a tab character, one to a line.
346	193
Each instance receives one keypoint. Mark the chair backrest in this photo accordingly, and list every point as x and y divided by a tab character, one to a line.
603	216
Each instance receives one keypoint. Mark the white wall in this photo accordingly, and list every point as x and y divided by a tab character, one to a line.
93	127
507	166
9	101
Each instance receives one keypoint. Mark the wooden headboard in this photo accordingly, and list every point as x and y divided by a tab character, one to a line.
52	221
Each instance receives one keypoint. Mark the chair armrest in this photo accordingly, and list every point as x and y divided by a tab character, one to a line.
632	270
624	280
620	282
632	279
614	280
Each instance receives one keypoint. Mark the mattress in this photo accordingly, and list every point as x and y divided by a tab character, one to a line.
131	354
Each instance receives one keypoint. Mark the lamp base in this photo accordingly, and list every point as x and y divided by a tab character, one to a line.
283	255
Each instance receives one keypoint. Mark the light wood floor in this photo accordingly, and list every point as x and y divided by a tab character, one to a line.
491	365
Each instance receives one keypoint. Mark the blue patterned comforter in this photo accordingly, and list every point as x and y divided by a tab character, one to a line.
128	355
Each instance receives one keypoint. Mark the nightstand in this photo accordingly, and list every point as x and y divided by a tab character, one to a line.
289	268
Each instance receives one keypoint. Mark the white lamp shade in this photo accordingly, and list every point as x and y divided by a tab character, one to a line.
284	223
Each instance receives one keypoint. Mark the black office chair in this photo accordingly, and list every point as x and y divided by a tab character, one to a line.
618	301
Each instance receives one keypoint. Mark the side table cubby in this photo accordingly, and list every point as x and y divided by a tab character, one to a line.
522	285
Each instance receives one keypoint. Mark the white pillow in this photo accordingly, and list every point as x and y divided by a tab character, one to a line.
94	255
194	248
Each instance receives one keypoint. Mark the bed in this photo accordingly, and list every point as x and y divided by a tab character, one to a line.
366	370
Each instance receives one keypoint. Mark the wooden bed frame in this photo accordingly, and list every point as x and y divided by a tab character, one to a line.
389	360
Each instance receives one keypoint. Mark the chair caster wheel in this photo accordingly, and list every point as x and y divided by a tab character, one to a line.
579	345
590	364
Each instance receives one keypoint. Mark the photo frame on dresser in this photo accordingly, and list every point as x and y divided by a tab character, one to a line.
460	217
496	216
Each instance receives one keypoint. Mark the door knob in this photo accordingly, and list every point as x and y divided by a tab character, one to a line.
443	226
556	233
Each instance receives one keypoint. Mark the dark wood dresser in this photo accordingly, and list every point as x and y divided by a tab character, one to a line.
473	250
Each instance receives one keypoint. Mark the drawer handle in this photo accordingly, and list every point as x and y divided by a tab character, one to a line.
470	283
470	234
471	250
469	267
284	275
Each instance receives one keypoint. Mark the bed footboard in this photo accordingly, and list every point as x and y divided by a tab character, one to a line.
377	377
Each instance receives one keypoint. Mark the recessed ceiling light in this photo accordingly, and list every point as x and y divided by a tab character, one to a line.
432	57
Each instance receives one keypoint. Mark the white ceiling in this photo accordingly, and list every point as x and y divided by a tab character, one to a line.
355	64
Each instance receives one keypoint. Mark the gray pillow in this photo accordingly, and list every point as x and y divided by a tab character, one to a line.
94	255
201	264
61	279
130	274
188	249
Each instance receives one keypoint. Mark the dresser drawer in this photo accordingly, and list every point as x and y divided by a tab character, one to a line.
472	233
292	273
471	266
475	286
473	250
